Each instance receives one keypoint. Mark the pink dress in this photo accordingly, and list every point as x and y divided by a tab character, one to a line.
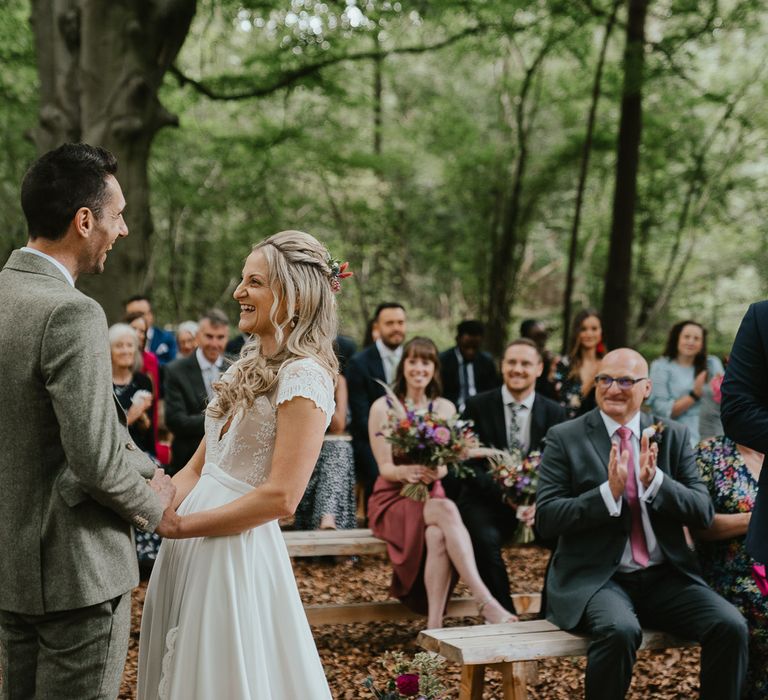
399	521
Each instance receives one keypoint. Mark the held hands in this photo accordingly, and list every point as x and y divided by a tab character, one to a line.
617	466
415	473
162	485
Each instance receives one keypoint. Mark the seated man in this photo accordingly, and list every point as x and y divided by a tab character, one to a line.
512	416
617	504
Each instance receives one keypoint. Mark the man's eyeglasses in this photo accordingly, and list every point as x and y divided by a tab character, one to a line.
624	383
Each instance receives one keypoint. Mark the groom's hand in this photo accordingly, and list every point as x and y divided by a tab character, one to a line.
162	485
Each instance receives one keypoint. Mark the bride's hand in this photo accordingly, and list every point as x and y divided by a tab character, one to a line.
170	525
431	475
412	473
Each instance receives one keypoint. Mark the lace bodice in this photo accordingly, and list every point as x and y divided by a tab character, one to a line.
245	450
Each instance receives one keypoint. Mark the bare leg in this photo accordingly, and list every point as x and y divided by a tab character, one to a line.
328	522
442	513
437	576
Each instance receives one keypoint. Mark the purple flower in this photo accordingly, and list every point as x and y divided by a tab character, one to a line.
442	435
407	684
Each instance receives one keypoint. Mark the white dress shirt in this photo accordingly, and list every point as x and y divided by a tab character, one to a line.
523	415
390	359
53	261
645	496
210	371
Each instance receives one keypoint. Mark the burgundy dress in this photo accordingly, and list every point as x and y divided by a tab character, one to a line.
399	521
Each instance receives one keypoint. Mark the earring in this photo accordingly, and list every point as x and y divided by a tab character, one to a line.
294	321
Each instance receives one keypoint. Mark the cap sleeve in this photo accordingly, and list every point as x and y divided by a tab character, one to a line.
306	378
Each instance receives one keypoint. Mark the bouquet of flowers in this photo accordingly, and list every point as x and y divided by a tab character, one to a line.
422	437
517	476
414	678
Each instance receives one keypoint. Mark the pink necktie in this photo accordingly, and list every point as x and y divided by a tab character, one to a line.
636	535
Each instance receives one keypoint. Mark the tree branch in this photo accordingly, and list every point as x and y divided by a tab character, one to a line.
290	77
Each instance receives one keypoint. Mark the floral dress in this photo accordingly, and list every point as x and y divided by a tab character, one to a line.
725	563
569	391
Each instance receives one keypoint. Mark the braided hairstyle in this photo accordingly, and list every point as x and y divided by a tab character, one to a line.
300	277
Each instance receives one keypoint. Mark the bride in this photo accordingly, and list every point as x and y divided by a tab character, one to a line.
223	617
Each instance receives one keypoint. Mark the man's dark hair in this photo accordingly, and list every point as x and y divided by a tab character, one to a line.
386	305
216	317
470	327
527	326
671	351
137	297
62	181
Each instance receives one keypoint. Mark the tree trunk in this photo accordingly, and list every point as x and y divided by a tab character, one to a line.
583	171
617	281
101	64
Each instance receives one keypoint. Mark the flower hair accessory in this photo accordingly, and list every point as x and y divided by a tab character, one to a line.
339	272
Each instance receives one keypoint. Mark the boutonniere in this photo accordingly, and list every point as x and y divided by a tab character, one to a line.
654	433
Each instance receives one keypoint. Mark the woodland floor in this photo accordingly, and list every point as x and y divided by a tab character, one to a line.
349	652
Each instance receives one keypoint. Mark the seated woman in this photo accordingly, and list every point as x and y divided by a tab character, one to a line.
679	376
426	541
730	472
575	373
329	501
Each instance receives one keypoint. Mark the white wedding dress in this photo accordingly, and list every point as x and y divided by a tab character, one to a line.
222	618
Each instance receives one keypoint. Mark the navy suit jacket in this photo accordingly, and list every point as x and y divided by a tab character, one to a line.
163	344
361	372
744	410
484	369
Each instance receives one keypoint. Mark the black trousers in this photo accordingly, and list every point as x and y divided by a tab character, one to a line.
662	598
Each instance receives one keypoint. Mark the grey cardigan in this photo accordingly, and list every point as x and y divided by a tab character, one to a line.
72	482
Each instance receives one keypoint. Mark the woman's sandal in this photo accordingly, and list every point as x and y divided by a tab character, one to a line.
509	619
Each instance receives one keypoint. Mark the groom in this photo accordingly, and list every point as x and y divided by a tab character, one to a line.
72	480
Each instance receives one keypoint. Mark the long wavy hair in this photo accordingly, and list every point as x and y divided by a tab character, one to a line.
575	351
671	351
425	349
300	279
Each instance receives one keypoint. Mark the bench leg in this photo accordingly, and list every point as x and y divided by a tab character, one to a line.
513	679
472	682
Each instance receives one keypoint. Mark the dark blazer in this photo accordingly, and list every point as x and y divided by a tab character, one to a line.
486	376
185	402
163	344
361	372
486	410
744	410
590	542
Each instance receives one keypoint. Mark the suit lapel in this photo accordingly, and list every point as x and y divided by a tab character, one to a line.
538	420
598	436
195	374
499	420
376	364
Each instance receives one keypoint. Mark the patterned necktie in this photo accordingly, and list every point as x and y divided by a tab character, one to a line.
513	431
210	375
390	367
636	535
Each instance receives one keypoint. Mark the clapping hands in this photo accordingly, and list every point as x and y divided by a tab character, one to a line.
618	462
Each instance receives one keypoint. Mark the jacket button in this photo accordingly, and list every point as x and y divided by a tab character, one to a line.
130	446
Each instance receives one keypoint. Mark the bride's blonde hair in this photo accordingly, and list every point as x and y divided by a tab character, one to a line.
300	276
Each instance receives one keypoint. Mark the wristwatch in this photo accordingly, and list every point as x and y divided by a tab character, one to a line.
693	395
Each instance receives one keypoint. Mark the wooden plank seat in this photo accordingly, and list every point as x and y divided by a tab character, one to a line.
320	543
513	649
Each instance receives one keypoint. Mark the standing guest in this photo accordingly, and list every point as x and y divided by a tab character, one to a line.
71	478
618	504
426	541
465	370
132	387
537	332
680	375
575	373
744	410
234	346
731	472
186	338
377	362
345	347
149	363
161	342
189	387
513	416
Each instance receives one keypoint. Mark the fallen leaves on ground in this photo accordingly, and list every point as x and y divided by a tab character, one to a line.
349	652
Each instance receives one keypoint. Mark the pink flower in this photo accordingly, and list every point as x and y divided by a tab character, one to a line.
442	435
407	684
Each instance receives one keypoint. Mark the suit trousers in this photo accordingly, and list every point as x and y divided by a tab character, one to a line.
662	598
489	525
68	655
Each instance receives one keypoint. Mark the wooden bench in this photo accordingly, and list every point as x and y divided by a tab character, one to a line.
318	543
513	649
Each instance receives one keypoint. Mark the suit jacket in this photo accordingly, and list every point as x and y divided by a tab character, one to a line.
185	402
484	368
71	479
361	372
744	410
590	542
486	410
163	344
